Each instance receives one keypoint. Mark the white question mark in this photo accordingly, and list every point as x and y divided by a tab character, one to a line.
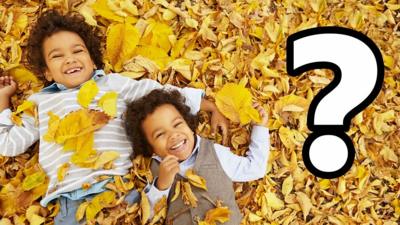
358	77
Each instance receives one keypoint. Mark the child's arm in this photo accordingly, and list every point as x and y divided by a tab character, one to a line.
7	89
217	119
161	185
14	140
253	166
131	90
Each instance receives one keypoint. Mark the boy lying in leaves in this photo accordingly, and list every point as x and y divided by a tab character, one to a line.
80	125
161	126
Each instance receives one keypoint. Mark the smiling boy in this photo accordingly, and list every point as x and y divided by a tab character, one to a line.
161	126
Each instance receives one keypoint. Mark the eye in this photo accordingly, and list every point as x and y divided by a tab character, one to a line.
56	56
78	50
178	124
160	135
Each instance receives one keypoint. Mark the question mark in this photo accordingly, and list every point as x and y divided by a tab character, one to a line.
358	77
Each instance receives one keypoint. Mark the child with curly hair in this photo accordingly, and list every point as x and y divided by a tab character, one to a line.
162	127
65	51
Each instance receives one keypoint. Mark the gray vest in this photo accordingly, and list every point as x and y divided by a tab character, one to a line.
219	187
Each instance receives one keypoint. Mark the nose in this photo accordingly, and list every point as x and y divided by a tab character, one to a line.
70	59
173	136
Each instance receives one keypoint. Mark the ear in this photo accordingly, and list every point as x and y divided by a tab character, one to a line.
48	75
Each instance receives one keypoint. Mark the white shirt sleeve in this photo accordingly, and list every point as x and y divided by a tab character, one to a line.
5	119
154	195
251	167
131	90
15	140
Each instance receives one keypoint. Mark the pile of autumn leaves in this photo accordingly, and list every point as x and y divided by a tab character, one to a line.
207	44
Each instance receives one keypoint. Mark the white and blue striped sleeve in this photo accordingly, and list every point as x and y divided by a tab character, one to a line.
131	90
15	140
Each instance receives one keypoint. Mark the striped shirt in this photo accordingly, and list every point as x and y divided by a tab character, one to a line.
15	140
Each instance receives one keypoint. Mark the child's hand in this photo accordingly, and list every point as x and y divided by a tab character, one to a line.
218	120
263	115
7	86
169	167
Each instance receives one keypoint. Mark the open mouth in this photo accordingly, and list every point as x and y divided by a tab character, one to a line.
179	146
74	70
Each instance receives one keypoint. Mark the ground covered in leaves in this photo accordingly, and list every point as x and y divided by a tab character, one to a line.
207	44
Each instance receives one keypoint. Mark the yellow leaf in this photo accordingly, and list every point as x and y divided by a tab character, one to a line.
324	184
27	107
62	170
105	157
32	215
220	214
273	201
188	196
156	54
101	7
177	191
238	107
183	66
22	75
54	122
205	32
179	45
122	39
108	102
290	138
71	125
287	185
196	180
80	212
191	23
5	221
87	93
85	154
157	35
388	154
305	203
129	7
341	189
145	208
292	103
168	15
33	180
318	5
254	218
88	13
98	203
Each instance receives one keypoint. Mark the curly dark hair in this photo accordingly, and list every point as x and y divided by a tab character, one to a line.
51	22
138	110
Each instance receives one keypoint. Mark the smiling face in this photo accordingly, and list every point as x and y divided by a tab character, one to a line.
168	133
67	58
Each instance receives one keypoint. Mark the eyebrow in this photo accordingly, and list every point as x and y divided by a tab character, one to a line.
57	49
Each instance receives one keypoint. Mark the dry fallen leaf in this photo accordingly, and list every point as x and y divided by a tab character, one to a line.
238	107
196	180
108	103
87	93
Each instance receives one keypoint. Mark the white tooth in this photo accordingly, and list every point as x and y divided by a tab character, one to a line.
73	70
178	145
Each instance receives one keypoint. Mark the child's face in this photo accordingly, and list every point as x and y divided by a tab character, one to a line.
168	133
67	58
